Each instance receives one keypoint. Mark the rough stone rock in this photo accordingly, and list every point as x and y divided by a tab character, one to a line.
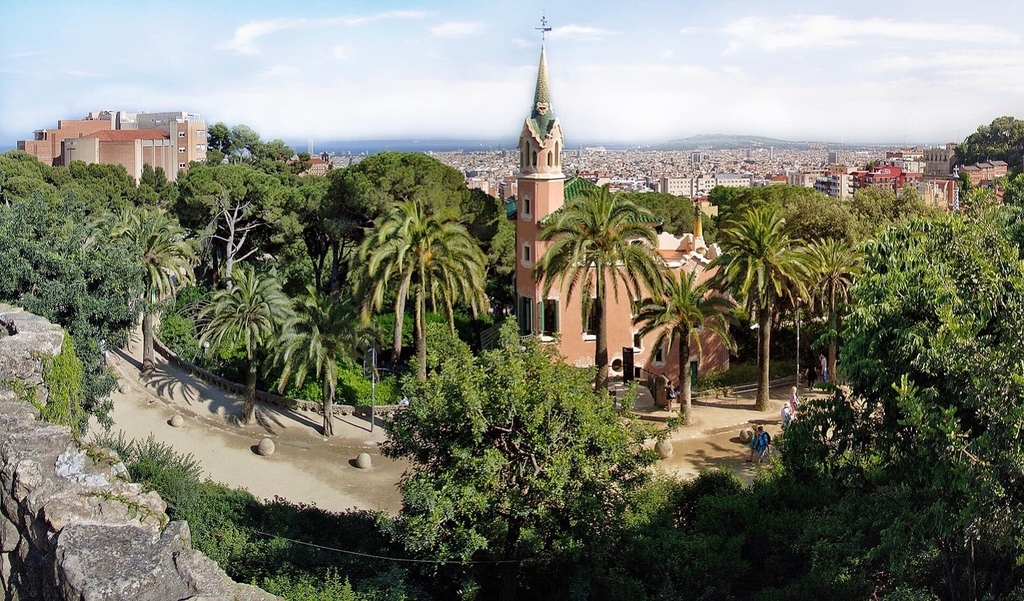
124	388
72	528
363	461
746	434
177	421
266	447
664	449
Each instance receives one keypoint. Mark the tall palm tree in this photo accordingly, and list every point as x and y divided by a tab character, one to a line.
677	315
766	268
834	264
166	257
599	241
251	313
311	343
427	256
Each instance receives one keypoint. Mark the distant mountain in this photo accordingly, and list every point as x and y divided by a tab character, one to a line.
425	145
721	141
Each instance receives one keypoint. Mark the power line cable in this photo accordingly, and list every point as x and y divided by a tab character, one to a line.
372	556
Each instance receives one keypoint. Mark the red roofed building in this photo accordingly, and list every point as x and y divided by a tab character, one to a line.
888	177
131	149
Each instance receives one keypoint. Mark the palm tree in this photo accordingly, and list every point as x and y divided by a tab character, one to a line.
321	332
251	313
167	258
835	264
426	256
765	267
677	315
599	241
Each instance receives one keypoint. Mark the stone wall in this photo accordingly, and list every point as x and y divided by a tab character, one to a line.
72	527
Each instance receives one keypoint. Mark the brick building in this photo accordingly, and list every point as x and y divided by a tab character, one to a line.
555	317
124	138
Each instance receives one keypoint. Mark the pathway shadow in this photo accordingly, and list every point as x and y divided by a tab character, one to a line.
171	387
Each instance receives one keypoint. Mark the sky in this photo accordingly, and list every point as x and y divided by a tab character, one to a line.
633	72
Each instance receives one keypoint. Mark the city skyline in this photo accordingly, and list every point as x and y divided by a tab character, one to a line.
919	72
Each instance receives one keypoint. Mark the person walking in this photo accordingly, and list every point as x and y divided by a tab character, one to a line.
824	367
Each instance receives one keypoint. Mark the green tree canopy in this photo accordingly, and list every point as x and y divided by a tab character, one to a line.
928	439
513	457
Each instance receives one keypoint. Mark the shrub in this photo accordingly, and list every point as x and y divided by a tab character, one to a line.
63	376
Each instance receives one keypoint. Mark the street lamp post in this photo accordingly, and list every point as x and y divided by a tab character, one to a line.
798	344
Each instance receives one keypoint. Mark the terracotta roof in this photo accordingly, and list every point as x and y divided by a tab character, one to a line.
127	135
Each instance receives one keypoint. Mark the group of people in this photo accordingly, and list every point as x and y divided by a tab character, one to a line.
761	442
817	371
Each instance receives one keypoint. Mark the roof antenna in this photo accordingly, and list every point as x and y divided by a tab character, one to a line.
543	29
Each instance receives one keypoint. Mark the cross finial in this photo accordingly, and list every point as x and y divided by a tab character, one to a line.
543	29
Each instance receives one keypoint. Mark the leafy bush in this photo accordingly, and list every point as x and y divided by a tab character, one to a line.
353	385
743	373
63	376
179	333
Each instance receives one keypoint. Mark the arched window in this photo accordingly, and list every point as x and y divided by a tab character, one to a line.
549	158
558	154
534	159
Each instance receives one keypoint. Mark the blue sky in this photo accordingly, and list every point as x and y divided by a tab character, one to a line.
633	72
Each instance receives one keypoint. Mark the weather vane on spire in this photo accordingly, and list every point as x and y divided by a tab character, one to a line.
543	29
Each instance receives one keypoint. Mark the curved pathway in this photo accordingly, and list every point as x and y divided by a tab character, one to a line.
308	468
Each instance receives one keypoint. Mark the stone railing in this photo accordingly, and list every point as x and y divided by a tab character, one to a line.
261	395
72	527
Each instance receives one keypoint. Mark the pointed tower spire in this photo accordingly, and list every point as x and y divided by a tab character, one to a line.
541	114
542	97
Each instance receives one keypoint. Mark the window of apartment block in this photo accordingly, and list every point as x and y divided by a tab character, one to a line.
200	133
659	357
181	134
549	317
181	165
200	147
181	149
525	316
637	340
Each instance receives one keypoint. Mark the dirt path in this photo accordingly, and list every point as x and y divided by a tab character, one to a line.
304	467
310	469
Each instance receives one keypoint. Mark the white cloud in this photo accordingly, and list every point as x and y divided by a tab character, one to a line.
817	31
457	29
280	70
246	36
583	33
521	43
340	53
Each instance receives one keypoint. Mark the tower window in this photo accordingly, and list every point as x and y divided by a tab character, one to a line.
549	317
549	158
527	208
533	160
527	255
525	316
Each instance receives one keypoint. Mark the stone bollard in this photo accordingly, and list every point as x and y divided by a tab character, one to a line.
124	388
177	421
664	448
746	434
363	461
266	447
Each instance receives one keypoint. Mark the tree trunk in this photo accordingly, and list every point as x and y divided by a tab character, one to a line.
684	376
328	407
833	324
249	402
148	362
396	345
335	270
764	326
229	266
421	335
510	570
601	350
